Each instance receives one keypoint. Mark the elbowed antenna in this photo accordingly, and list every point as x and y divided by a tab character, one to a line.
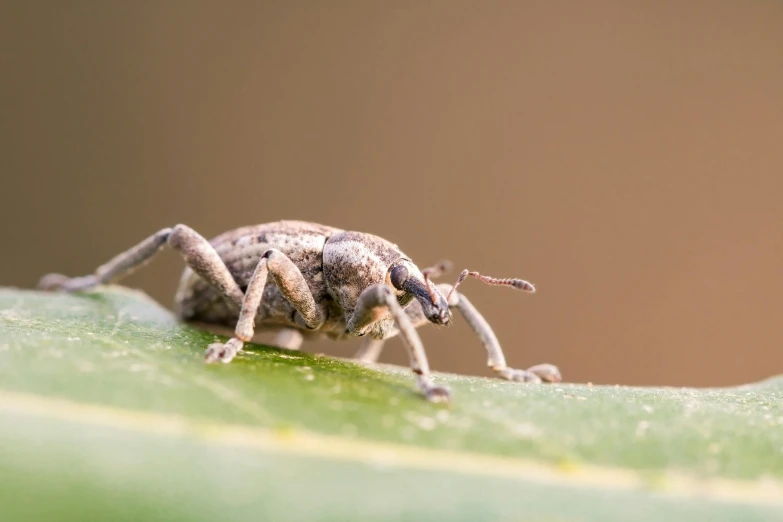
519	284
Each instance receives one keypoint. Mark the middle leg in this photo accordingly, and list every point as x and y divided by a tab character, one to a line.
292	285
288	338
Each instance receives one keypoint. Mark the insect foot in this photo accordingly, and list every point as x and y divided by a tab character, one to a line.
223	352
437	394
535	374
546	372
59	282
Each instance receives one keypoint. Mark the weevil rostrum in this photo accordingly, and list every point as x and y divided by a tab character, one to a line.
304	279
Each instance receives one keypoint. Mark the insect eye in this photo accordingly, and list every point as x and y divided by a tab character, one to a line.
399	275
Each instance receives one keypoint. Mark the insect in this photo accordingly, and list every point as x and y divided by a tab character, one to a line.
304	279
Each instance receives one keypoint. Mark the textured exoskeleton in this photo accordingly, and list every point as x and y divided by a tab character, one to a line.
298	277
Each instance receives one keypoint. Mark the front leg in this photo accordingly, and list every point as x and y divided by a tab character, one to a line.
292	285
495	358
371	349
374	303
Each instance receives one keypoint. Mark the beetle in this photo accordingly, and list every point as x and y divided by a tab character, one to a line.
303	279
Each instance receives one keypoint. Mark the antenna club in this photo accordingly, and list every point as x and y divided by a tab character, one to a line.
520	284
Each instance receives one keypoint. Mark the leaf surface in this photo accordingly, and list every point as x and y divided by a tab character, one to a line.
107	411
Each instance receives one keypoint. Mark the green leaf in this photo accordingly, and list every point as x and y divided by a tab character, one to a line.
107	412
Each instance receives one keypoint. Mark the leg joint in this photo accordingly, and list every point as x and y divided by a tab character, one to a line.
178	235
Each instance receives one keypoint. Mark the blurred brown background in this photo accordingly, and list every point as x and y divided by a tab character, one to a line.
624	156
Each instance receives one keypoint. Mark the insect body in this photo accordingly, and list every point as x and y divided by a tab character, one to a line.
303	278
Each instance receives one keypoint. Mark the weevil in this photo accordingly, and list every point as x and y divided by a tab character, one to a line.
304	279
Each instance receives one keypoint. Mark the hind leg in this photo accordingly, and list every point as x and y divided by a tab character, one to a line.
197	252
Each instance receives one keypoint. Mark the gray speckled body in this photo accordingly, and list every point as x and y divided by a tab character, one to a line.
336	264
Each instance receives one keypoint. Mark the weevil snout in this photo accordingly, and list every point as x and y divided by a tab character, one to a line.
435	310
443	314
433	304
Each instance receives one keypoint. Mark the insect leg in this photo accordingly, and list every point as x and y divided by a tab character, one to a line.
197	252
495	358
373	304
292	285
371	349
121	265
288	338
